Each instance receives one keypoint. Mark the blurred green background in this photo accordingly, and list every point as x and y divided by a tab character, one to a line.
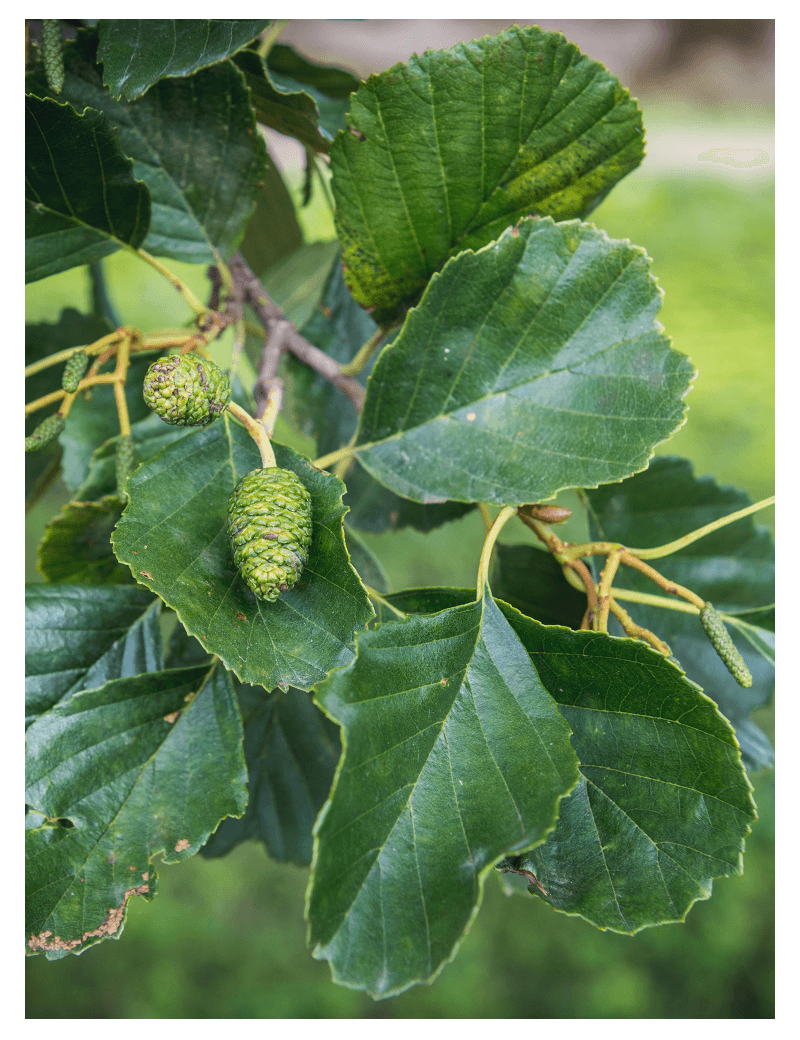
226	938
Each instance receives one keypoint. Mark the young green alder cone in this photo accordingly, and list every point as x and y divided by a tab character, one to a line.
73	371
186	390
46	431
721	641
269	526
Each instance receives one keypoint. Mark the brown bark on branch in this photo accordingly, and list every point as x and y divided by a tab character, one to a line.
269	313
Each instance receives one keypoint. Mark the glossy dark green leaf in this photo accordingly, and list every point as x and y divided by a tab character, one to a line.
530	580
78	637
136	53
291	750
297	97
533	365
664	803
447	151
329	85
138	767
82	201
454	755
181	137
72	329
173	537
76	546
340	327
733	568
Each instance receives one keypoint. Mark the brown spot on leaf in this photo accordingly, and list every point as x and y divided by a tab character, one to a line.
172	716
147	574
240	616
111	923
181	845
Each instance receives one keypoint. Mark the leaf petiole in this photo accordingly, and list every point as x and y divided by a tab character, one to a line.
500	520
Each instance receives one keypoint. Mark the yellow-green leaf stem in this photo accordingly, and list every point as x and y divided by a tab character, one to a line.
364	354
500	520
326	461
701	532
384	602
269	37
198	307
257	432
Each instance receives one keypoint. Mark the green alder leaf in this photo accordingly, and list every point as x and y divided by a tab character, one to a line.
291	750
330	86
532	581
664	803
82	201
76	546
181	137
340	327
455	755
733	568
79	637
297	97
72	329
173	537
533	365
445	152
140	766
136	53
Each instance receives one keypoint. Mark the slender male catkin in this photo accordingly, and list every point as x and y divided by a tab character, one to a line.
52	43
73	371
46	431
721	641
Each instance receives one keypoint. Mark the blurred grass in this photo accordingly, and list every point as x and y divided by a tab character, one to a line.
226	938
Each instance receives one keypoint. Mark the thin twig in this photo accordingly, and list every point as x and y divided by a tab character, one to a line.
269	312
604	591
583	572
214	276
268	384
636	631
659	579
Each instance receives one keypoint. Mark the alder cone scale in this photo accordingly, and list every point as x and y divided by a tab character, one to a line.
186	390
269	527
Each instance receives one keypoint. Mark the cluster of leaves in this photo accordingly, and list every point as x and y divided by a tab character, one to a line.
404	754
